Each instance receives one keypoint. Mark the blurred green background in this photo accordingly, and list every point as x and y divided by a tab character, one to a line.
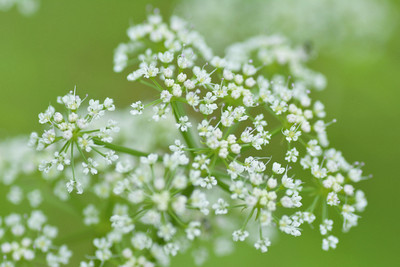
68	43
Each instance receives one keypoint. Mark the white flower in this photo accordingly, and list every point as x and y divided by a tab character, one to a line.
95	109
183	124
291	155
91	215
279	107
326	226
166	57
329	242
221	207
109	104
292	134
262	245
166	231
208	182
171	249
35	198
150	159
122	222
141	241
90	166
276	168
86	143
332	199
289	226
240	235
110	157
193	230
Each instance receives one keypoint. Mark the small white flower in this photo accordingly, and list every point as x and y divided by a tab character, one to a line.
90	166
166	231
262	245
91	215
277	168
292	134
326	226
193	230
208	182
184	124
221	207
291	155
240	235
329	242
332	199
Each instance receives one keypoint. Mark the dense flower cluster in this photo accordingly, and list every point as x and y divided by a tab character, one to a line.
231	112
233	149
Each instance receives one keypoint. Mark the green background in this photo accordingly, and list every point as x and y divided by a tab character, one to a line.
70	43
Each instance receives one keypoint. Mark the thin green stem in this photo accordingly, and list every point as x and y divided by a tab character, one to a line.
248	218
99	152
81	152
324	210
176	218
121	149
155	102
65	147
157	85
313	205
276	130
150	84
187	136
91	131
72	162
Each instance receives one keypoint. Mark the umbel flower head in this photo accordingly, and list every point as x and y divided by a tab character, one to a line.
250	149
73	130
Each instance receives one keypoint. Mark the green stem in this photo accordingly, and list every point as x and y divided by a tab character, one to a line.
248	218
91	131
155	102
324	210
73	161
275	131
99	152
150	84
176	218
179	112
312	207
65	147
121	149
157	85
81	152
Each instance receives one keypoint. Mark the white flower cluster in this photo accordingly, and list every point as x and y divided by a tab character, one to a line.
25	237
235	147
157	212
254	99
75	132
29	239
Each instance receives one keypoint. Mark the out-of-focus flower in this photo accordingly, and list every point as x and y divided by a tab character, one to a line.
25	7
328	24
